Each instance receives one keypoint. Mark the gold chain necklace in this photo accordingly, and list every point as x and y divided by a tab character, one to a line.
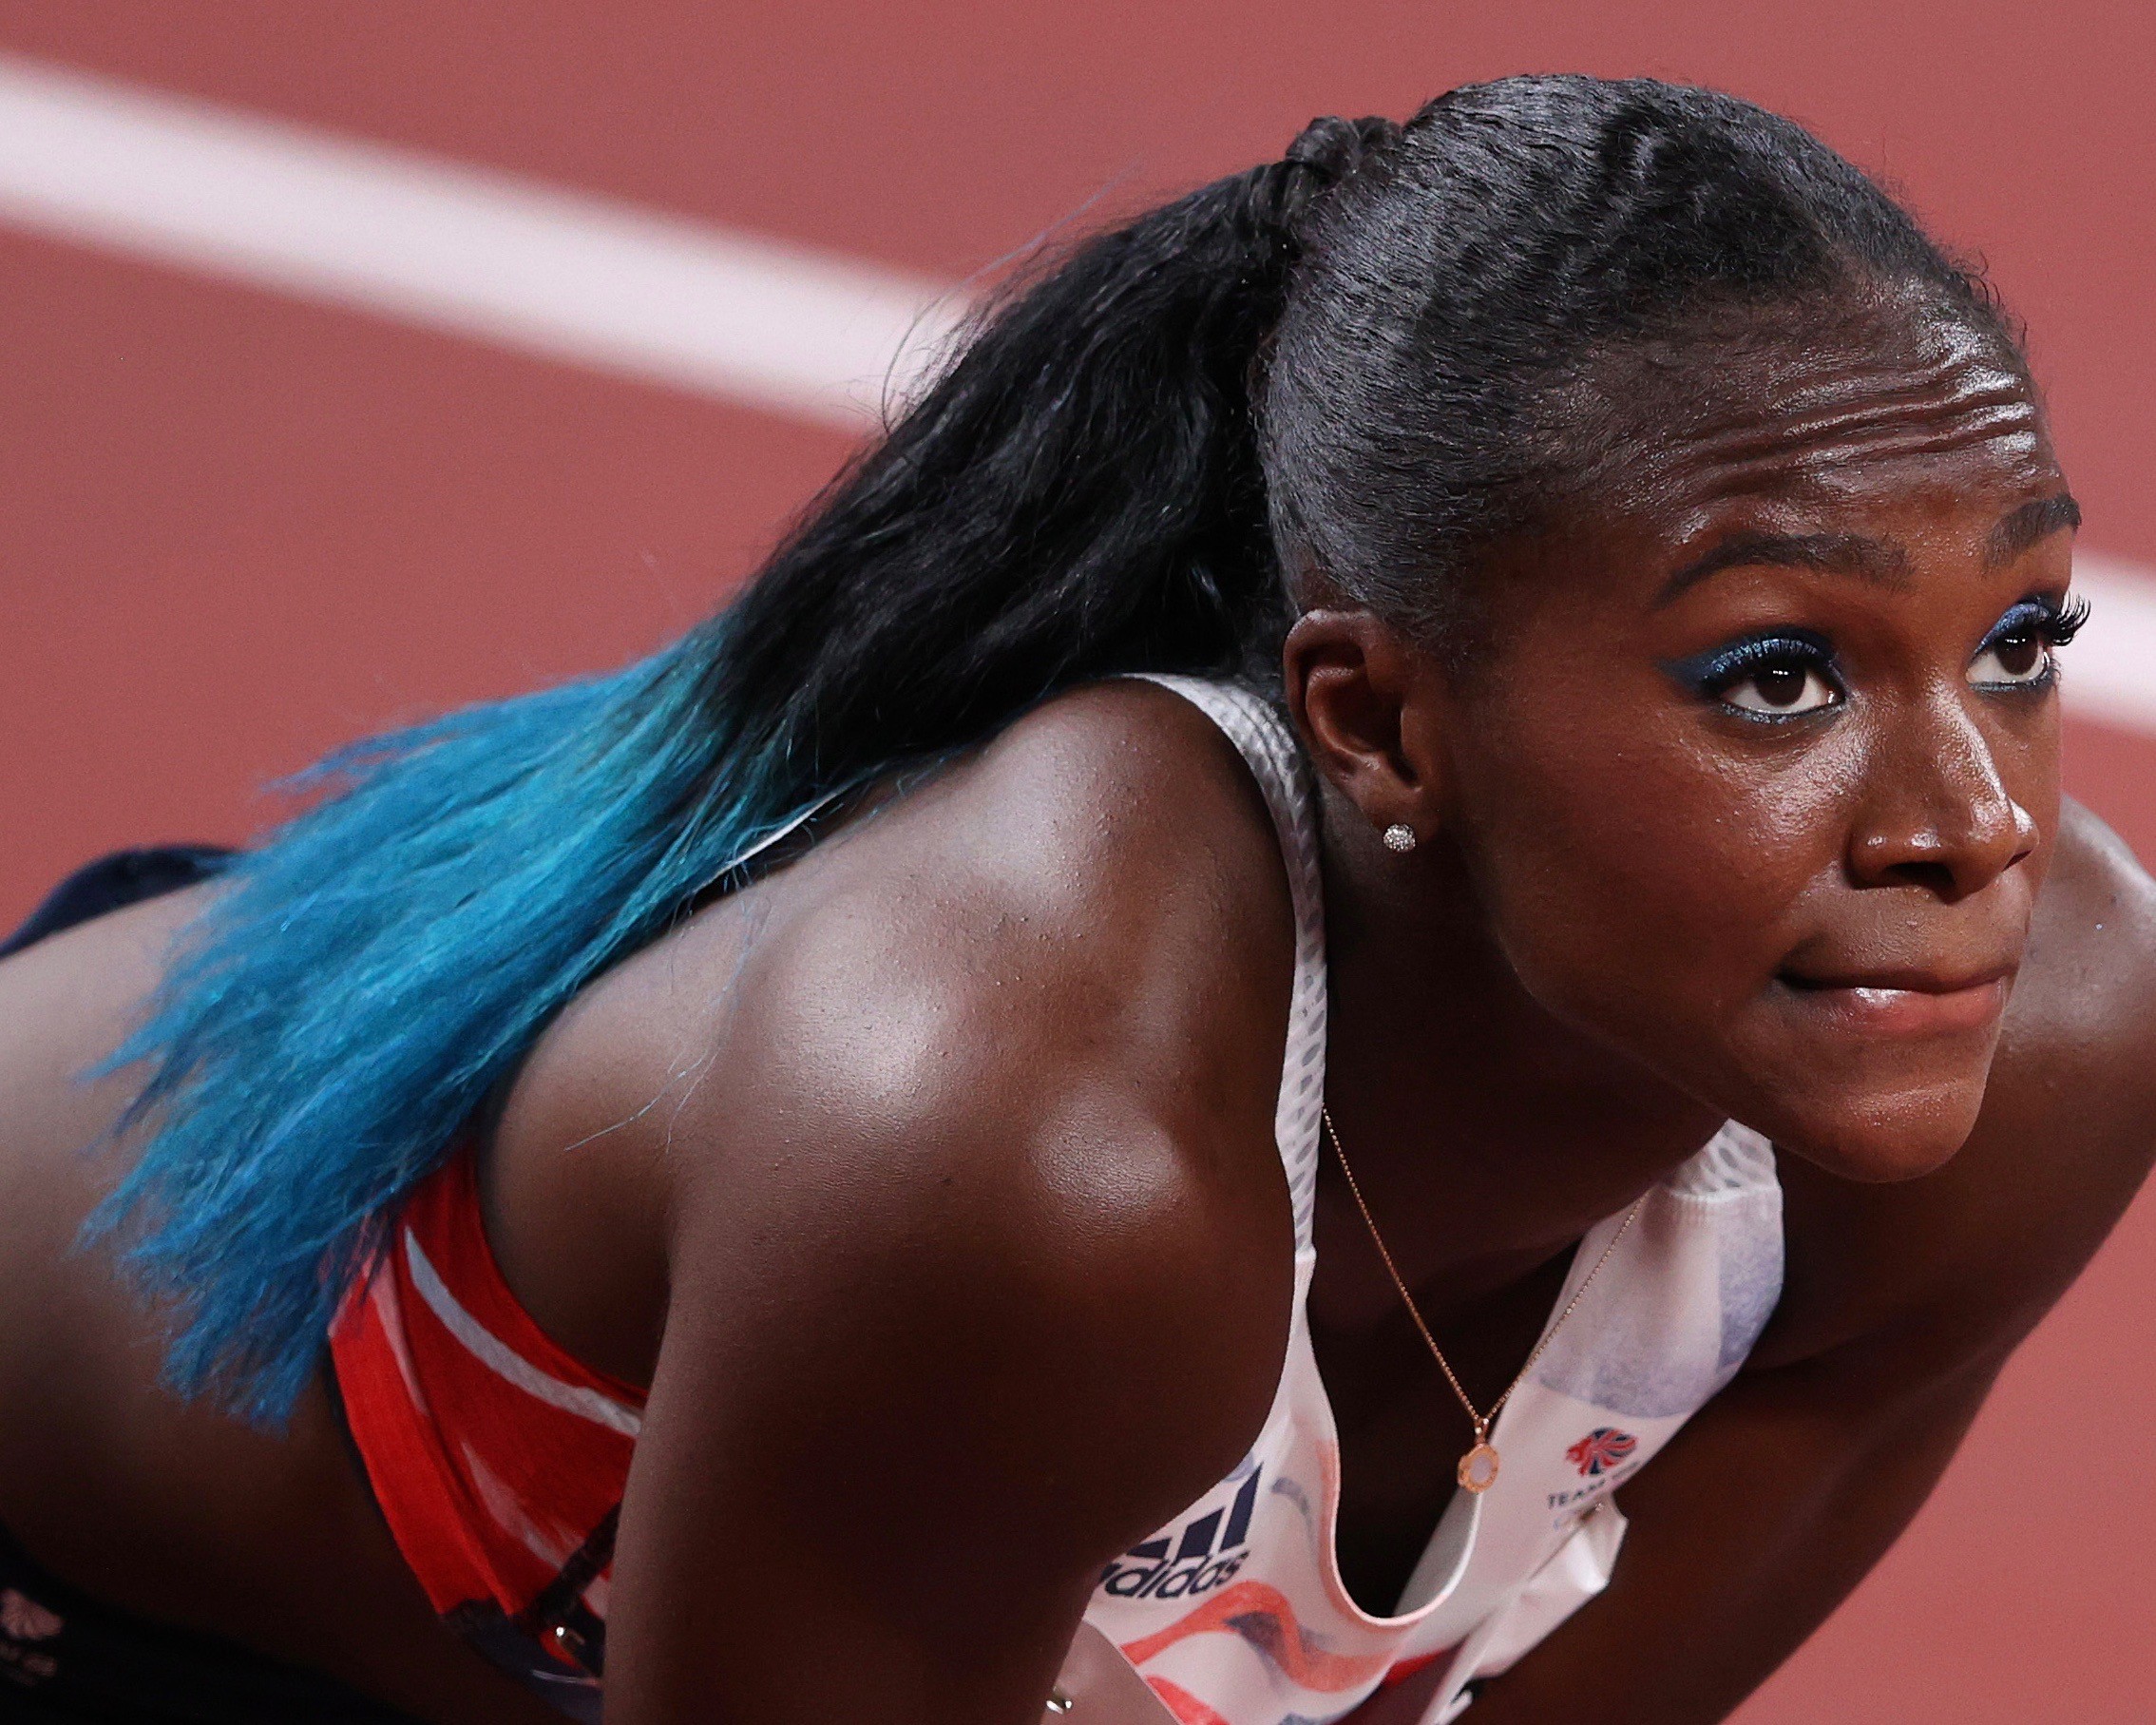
1479	1467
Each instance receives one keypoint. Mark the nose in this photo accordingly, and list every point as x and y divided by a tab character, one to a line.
1937	814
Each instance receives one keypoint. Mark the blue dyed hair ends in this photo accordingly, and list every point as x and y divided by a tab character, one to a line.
355	987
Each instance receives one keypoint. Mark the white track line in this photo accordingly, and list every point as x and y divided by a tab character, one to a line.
2110	669
588	281
509	260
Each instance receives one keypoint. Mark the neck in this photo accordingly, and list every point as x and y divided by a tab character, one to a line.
1487	1135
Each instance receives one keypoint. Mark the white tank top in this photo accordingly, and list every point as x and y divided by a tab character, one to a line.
1234	1613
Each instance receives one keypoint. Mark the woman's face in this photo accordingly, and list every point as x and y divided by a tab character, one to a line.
1758	775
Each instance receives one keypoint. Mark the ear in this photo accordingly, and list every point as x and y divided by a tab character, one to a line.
1364	701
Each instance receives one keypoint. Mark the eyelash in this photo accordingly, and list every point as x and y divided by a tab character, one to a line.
1710	675
2056	623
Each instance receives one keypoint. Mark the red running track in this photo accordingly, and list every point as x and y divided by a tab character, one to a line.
235	530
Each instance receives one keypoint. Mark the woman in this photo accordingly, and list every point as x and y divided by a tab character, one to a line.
837	1175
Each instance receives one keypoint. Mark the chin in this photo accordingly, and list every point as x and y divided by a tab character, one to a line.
1863	1102
1879	1138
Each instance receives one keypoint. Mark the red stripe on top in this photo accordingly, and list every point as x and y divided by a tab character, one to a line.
493	1453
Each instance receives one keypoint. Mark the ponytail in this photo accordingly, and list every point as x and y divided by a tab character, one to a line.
1079	494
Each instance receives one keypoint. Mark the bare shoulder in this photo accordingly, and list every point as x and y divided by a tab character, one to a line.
979	1256
1981	1249
2088	992
975	1101
1035	1012
2076	1067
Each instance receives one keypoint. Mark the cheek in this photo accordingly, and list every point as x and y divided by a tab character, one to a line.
1645	887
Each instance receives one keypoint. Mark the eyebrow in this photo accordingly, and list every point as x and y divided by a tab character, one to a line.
1832	553
1873	560
2028	524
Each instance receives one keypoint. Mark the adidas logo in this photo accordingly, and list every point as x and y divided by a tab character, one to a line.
1205	1556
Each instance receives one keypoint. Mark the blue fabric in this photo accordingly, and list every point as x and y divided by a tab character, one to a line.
110	882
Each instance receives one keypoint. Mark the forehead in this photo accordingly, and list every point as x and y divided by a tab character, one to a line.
1811	417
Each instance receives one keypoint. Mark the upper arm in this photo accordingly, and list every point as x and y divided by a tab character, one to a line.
878	1478
899	1424
981	1270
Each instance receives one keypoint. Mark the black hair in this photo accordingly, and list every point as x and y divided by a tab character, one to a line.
1344	362
1508	237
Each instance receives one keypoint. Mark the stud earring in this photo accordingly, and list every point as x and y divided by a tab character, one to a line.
1400	837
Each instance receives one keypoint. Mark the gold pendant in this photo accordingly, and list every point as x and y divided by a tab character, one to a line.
1479	1467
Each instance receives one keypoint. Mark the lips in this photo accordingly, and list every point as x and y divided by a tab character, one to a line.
1904	1002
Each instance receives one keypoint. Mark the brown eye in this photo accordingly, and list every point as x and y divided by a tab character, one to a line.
1789	686
1780	685
2019	657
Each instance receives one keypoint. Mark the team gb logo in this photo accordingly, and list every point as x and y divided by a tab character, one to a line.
1601	1450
